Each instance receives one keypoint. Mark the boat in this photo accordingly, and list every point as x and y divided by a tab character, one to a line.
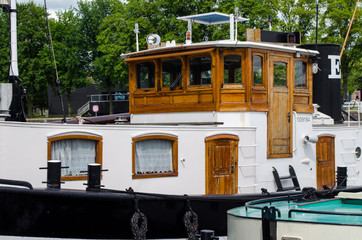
298	217
223	122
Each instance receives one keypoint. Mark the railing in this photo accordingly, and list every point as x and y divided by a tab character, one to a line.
354	107
105	97
83	109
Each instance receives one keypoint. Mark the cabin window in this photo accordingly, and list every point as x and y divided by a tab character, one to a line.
258	69
75	152
200	70
145	75
171	73
232	69
154	156
280	74
300	75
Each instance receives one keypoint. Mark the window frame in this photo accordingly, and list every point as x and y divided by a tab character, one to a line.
242	54
174	172
306	75
157	78
99	151
263	80
162	88
188	71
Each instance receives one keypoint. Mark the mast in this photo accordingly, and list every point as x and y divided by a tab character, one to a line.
16	107
349	28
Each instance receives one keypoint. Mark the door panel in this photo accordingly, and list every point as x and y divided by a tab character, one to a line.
221	165
325	161
280	111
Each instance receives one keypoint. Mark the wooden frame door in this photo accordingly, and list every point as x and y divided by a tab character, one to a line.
325	161
280	116
221	164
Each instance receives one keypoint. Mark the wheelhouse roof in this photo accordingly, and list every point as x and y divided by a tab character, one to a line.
220	44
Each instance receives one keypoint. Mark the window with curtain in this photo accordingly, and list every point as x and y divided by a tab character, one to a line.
75	152
154	156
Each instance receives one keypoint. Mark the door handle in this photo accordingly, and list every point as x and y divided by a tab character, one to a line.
320	160
289	117
232	168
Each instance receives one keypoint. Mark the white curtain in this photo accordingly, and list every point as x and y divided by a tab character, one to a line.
153	156
75	154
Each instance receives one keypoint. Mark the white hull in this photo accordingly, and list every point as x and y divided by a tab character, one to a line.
23	148
246	228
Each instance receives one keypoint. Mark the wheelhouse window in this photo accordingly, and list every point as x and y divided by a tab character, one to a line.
200	70
258	69
145	75
75	152
300	76
154	156
232	69
171	73
280	74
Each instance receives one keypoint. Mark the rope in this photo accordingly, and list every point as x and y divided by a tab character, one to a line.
191	222
139	223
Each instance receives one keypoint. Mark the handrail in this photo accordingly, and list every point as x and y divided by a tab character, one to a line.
251	204
321	212
16	183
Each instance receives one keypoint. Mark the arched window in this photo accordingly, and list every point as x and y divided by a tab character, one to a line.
75	152
154	156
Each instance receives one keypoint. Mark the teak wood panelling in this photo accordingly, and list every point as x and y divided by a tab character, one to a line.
303	97
221	164
259	97
280	115
218	96
325	161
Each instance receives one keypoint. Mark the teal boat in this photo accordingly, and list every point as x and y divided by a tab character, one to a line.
295	218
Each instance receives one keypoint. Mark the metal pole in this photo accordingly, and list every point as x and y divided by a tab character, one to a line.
14	71
316	28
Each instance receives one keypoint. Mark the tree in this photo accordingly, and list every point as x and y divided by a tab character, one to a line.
31	41
71	57
4	47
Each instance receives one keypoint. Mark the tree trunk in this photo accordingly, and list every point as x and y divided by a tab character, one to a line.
69	93
30	107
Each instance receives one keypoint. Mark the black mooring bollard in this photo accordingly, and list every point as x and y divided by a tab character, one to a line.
53	174
207	235
94	177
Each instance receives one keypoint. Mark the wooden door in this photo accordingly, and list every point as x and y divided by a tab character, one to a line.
221	164
325	162
280	111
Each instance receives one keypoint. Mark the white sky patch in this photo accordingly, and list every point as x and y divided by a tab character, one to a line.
54	5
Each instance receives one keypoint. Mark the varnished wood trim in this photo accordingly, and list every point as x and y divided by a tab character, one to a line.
99	151
222	136
174	172
169	55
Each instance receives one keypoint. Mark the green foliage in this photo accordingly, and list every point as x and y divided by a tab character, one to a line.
4	47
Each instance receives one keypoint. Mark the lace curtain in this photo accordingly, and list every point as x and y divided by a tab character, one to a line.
153	156
74	153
